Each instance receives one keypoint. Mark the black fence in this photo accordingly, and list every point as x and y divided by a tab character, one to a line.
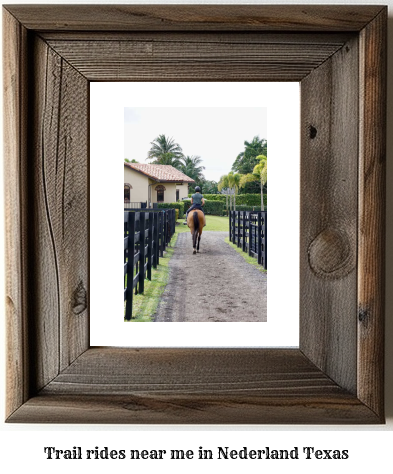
147	233
248	230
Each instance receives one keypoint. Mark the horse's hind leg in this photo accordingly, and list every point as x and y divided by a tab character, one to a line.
194	237
199	239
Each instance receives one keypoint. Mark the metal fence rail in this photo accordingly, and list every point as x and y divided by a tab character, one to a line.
248	230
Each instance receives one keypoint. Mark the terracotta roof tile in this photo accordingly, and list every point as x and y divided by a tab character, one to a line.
161	173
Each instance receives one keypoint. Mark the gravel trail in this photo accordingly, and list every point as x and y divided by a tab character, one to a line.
216	285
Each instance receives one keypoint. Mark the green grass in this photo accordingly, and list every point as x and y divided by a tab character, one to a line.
145	305
213	223
251	260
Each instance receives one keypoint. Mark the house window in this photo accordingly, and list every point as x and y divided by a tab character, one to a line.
177	194
127	192
160	193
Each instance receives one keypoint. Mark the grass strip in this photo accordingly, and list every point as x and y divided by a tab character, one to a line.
251	260
213	223
145	305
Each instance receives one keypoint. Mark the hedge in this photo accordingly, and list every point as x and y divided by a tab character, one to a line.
214	208
246	199
243	207
173	205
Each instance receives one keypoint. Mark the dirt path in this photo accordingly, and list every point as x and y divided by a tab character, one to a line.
216	285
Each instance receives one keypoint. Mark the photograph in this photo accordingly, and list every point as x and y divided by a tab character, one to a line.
195	214
65	156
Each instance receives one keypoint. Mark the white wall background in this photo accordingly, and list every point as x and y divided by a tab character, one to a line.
369	447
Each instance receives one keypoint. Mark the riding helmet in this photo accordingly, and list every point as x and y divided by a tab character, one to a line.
197	189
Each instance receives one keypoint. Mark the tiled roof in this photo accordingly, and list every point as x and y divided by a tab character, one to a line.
161	173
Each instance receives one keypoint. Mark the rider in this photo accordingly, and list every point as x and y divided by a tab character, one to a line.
197	202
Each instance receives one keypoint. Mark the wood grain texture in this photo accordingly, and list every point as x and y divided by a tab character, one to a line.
371	260
61	213
217	60
14	73
195	17
52	375
201	37
194	386
328	253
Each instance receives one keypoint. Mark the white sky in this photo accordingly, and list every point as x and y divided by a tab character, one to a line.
216	134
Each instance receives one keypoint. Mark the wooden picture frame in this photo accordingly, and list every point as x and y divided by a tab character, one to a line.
338	54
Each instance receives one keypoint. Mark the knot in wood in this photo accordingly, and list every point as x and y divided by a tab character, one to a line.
313	132
330	254
80	299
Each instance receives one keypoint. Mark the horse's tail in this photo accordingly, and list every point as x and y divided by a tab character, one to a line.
196	221
196	227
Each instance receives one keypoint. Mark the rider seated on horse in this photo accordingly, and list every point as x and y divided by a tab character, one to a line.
197	202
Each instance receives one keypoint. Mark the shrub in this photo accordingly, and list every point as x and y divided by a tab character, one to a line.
173	205
241	199
187	204
214	208
243	207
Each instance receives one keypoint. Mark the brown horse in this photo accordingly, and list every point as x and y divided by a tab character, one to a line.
196	222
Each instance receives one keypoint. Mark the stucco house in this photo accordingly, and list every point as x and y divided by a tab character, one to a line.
154	183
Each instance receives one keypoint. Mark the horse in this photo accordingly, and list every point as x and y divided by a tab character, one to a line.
196	222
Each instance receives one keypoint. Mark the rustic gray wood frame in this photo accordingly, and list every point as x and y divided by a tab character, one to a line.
338	54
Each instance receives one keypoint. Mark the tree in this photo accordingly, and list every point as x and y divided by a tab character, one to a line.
234	184
191	167
259	173
223	187
261	170
246	160
168	159
165	151
208	187
229	185
126	160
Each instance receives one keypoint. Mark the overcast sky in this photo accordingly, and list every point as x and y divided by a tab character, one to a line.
217	135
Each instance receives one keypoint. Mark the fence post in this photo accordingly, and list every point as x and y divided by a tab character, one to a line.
130	264
238	229
259	234
250	227
142	254
234	227
173	222
149	246
265	240
156	240
244	232
162	233
230	223
167	230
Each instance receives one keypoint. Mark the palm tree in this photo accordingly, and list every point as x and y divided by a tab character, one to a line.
261	170
234	182
168	159
191	166
230	183
259	173
165	151
223	185
246	160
